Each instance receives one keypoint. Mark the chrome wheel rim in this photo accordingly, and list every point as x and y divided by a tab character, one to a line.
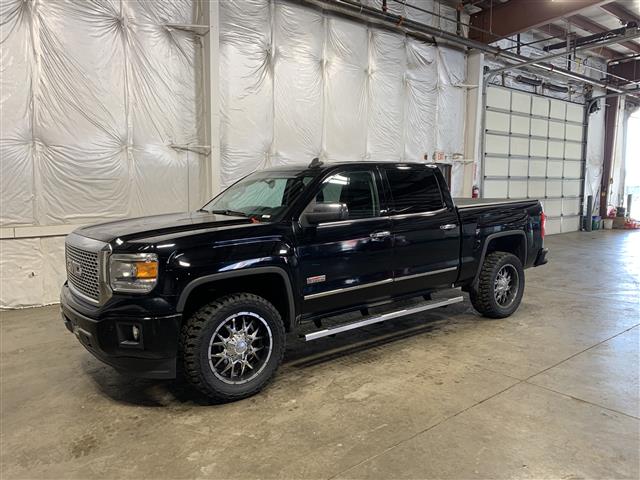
505	286
240	348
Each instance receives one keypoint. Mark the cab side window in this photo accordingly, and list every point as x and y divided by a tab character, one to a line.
414	189
357	190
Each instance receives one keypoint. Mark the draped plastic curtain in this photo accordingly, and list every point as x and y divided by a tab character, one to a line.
100	98
297	83
95	98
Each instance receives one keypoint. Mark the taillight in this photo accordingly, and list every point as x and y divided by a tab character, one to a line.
543	221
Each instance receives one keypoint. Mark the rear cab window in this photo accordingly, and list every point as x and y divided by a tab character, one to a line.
414	189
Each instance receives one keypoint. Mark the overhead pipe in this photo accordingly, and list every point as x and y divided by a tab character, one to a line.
390	21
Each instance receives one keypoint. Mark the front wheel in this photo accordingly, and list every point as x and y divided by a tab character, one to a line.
233	346
500	285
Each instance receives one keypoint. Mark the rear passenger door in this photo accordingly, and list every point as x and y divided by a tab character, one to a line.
425	230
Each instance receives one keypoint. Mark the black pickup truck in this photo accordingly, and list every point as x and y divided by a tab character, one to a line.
211	294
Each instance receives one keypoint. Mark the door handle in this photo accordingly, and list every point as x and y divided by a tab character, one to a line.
380	235
448	226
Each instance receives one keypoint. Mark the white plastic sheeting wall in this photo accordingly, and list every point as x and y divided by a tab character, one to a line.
297	83
94	95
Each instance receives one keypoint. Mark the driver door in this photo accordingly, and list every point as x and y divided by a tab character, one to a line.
346	263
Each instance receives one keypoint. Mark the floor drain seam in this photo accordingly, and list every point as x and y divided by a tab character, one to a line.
580	352
582	400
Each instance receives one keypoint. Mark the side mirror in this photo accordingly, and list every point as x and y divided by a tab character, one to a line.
326	212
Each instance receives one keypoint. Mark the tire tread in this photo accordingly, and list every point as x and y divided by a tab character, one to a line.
190	334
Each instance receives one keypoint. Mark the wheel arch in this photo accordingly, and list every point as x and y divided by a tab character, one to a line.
196	291
510	241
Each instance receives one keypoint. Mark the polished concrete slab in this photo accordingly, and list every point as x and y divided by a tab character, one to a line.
550	392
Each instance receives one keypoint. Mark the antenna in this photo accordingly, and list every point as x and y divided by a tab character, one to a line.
315	163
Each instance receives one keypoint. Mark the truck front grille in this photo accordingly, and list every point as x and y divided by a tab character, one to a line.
83	271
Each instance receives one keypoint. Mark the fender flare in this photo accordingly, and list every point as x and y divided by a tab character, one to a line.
245	272
485	246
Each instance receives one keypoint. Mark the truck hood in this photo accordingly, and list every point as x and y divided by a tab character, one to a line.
141	227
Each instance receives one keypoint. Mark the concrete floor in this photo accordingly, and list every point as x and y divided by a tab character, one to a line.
552	392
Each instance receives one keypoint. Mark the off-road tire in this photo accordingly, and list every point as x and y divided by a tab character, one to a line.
483	297
200	327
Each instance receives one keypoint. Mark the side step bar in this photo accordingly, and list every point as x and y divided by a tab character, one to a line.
381	318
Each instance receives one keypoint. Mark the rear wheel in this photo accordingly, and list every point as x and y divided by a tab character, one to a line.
500	285
232	347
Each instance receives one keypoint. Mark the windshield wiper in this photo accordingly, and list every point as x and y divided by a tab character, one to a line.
229	213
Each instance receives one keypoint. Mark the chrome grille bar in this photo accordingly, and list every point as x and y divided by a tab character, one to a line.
83	264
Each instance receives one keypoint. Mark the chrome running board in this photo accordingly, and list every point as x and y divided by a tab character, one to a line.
381	318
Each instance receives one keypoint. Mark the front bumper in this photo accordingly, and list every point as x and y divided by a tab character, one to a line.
108	338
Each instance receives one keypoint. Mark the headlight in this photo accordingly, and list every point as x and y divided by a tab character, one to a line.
133	272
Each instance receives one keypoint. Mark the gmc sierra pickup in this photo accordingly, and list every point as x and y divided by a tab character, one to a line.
210	294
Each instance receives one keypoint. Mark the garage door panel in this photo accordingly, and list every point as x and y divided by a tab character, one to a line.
558	109
521	102
537	188
519	146
498	98
571	206
554	188
556	149
552	207
497	121
538	148
537	168
556	130
552	225
575	113
495	167
520	124
554	168
570	224
572	169
573	151
497	144
573	132
539	127
571	188
540	107
517	189
519	167
496	188
538	154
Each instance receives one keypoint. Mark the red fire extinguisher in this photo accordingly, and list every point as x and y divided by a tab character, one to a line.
475	192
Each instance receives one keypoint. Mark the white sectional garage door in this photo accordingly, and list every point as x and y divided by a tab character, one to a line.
533	149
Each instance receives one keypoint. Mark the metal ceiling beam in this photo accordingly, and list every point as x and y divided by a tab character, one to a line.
629	70
558	32
590	26
516	16
624	15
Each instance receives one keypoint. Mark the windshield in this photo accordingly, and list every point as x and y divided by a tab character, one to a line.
261	195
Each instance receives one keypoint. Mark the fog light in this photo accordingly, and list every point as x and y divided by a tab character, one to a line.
135	332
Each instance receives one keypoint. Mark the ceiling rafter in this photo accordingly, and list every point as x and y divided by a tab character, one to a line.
624	15
516	16
590	26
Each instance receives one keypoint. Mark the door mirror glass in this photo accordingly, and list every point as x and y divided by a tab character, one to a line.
326	212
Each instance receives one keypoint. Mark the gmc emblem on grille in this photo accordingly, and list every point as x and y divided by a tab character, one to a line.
74	267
